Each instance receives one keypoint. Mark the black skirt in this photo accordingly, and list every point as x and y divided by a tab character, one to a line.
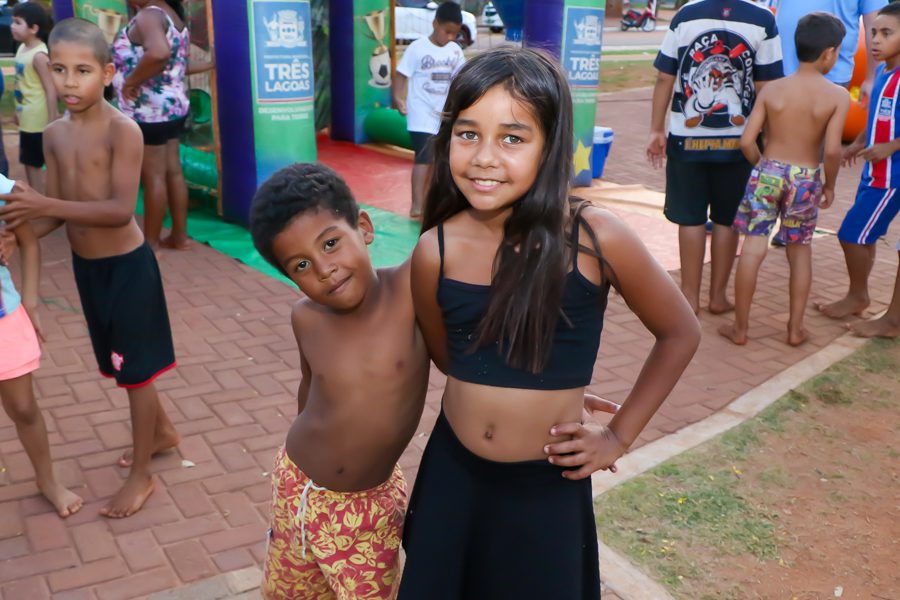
483	530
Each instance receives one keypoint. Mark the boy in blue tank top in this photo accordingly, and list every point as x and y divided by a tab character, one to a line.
877	198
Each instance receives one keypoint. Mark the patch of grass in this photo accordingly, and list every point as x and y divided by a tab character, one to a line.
874	358
832	388
626	74
700	499
775	477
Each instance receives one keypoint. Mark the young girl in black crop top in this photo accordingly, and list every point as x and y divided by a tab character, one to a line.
510	283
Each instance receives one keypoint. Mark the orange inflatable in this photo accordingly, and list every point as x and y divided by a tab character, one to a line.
856	116
856	121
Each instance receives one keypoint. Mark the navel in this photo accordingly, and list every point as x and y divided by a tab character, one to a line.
489	433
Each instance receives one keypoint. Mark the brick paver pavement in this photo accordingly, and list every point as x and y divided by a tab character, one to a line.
232	398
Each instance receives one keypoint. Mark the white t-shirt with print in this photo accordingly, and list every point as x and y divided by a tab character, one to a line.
430	69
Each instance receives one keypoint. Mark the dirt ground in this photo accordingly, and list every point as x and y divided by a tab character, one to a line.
811	507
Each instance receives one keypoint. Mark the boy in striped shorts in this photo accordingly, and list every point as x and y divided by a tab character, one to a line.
878	198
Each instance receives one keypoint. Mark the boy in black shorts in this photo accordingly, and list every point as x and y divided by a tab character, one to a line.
93	169
715	57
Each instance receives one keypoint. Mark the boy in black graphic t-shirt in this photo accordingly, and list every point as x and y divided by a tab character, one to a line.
715	57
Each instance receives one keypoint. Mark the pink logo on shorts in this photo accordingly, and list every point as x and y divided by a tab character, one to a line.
117	360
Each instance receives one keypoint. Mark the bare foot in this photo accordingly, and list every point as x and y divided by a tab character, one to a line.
846	306
130	498
797	337
883	327
720	307
730	331
693	301
171	243
65	501
166	440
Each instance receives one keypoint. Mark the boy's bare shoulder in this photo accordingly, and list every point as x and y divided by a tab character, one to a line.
121	125
56	128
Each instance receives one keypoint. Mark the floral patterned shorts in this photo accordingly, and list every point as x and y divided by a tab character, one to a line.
326	545
777	189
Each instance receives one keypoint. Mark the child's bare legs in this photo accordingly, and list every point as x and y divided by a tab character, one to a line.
177	192
35	177
692	248
722	251
153	178
165	437
860	259
421	175
752	255
20	405
800	259
130	498
888	324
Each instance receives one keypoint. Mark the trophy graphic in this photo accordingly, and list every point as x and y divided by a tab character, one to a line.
380	63
109	21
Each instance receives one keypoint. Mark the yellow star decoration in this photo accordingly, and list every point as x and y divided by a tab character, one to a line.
582	158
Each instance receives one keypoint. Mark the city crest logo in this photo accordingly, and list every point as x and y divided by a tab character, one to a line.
286	30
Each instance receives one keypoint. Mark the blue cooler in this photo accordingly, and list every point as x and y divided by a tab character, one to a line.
603	139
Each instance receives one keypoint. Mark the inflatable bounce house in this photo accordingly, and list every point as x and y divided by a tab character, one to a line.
305	80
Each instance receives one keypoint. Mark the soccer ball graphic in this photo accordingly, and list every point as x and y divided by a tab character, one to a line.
380	68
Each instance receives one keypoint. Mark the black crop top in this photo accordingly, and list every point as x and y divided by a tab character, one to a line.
574	351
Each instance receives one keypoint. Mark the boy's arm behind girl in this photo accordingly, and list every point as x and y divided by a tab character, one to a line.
25	203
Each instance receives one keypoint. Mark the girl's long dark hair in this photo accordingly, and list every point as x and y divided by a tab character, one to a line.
530	267
177	7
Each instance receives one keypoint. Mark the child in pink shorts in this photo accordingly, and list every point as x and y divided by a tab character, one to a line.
19	330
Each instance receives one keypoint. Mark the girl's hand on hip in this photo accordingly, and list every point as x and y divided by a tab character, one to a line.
592	448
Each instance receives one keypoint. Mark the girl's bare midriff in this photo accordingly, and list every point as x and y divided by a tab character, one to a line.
509	424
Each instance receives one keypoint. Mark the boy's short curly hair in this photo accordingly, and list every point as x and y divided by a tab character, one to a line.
291	192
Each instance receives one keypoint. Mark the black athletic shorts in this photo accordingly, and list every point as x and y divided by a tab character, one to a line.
423	144
125	309
695	190
159	134
31	149
479	529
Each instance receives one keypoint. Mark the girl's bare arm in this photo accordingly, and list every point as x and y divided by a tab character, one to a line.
30	249
653	296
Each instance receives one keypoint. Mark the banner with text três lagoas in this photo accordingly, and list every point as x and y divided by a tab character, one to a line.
283	84
582	41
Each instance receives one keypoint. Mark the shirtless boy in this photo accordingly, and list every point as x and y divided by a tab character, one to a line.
798	114
339	497
93	159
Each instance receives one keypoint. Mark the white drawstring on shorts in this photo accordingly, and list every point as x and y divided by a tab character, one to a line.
301	512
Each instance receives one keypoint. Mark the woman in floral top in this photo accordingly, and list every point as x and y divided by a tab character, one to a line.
151	58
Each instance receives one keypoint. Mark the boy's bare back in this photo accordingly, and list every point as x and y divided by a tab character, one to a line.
798	110
366	374
96	159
